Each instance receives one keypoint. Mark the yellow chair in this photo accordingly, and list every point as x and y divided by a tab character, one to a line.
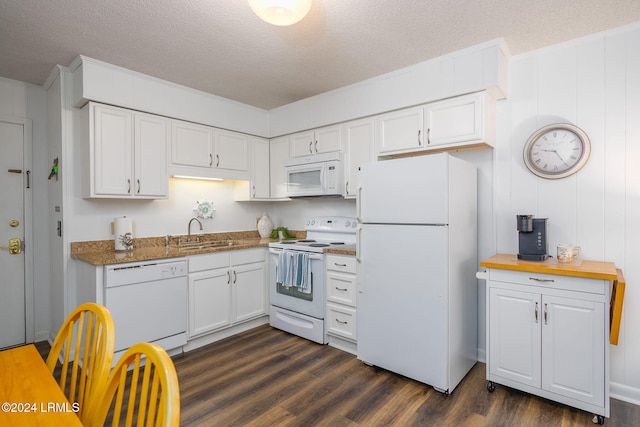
84	347
152	398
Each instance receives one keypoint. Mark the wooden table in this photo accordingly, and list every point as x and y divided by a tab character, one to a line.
29	394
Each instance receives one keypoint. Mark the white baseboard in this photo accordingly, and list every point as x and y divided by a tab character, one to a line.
43	336
625	393
224	333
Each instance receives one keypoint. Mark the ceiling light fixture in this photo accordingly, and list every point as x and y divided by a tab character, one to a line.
281	12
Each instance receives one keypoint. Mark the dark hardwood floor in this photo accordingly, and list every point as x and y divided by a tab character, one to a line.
266	377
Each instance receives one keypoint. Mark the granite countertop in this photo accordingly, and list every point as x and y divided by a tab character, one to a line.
102	252
342	250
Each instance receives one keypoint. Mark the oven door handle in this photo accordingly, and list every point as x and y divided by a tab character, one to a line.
311	255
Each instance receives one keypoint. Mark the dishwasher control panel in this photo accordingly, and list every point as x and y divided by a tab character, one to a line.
145	271
173	270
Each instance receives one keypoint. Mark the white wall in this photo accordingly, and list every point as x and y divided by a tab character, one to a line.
26	101
594	83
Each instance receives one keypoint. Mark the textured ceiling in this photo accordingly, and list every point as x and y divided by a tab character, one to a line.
221	47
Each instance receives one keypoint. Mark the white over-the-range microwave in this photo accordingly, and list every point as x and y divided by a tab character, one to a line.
315	176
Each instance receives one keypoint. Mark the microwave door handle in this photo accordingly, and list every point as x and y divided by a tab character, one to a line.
323	179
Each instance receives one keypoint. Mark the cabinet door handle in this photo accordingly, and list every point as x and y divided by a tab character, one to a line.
254	192
129	185
419	142
310	147
235	277
546	315
210	160
536	312
228	277
428	136
541	280
341	289
138	181
346	188
316	146
217	160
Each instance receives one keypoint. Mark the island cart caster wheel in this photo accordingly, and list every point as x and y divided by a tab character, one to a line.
491	387
598	419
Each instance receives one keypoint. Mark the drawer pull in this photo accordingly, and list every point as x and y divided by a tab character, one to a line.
341	289
341	322
541	280
339	265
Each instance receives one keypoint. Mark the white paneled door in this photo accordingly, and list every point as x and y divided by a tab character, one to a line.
12	231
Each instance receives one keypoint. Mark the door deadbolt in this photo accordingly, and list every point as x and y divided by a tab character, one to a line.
14	223
15	246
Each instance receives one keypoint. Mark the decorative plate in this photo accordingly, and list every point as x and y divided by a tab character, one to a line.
204	209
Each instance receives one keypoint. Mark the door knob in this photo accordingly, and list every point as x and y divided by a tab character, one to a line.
14	247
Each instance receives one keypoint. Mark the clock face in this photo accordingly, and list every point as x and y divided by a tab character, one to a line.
557	151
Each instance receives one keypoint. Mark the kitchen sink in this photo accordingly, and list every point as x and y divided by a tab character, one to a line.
210	245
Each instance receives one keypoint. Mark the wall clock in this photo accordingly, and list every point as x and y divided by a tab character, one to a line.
557	151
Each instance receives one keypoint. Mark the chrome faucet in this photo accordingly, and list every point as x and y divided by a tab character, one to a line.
189	229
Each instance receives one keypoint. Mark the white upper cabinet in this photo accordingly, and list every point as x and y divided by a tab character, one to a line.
464	121
126	154
150	155
322	140
278	156
206	152
400	131
232	151
257	187
461	120
358	139
191	144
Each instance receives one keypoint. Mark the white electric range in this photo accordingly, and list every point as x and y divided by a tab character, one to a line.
296	309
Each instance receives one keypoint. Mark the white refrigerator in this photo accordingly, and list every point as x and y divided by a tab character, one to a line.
417	248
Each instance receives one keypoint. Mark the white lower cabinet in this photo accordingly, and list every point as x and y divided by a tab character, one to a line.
547	335
226	288
340	317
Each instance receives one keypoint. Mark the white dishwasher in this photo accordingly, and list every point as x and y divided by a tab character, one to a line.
148	303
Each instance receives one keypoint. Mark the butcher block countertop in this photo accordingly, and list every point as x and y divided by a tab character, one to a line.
580	268
102	252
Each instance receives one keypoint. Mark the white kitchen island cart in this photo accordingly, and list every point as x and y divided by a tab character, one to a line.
548	328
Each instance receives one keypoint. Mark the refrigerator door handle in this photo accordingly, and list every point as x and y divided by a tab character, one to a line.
358	196
359	285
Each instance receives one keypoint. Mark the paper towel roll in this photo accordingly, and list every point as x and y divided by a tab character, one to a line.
123	225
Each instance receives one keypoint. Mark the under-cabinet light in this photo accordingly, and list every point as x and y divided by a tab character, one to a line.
196	177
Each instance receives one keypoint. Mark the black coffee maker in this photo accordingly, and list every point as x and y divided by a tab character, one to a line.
532	238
